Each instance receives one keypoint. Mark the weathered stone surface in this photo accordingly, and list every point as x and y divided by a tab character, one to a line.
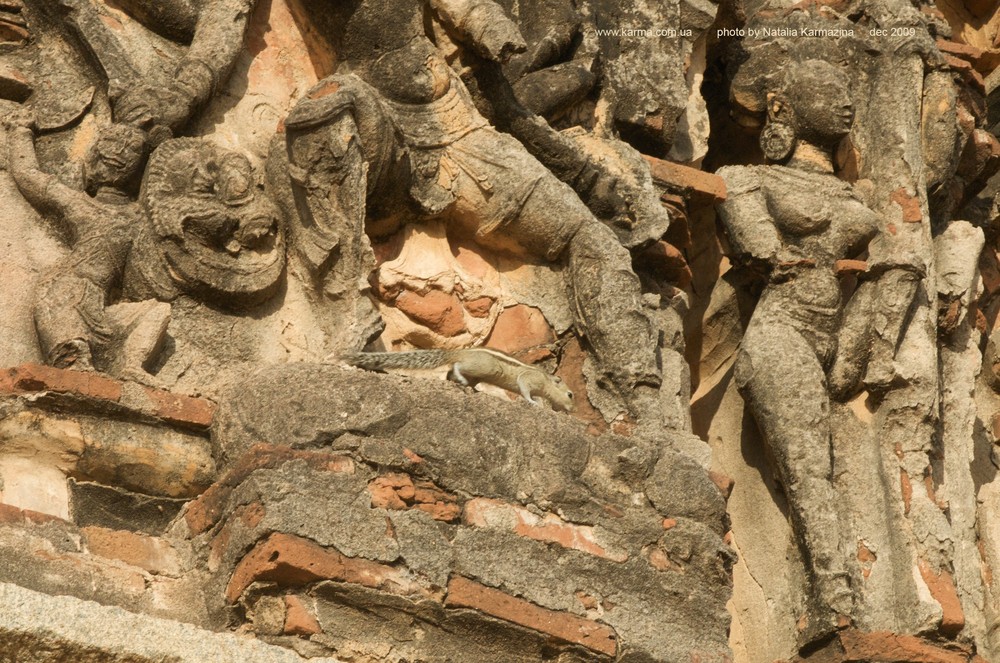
756	240
41	628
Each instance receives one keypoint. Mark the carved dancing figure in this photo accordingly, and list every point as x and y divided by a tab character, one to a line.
76	324
398	139
796	219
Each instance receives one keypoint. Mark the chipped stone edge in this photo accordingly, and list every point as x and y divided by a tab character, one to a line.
39	622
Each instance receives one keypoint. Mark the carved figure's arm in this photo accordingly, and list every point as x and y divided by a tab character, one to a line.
44	191
748	222
483	25
218	39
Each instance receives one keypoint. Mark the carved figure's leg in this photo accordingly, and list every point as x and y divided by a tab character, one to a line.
546	218
607	299
68	319
174	19
874	323
142	332
340	149
854	342
782	380
102	42
894	294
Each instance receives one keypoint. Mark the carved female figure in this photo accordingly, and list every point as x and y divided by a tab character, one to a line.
796	220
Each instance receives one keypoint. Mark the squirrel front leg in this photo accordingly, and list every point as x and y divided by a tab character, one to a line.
525	388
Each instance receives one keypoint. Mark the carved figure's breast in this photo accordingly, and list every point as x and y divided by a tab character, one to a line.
819	210
798	213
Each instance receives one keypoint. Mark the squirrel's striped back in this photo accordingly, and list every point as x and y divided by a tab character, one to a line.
377	361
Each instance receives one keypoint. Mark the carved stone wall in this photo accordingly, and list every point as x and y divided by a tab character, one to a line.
434	330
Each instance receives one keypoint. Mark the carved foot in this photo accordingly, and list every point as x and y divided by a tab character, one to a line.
75	355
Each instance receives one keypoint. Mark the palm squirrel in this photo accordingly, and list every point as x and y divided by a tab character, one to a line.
473	365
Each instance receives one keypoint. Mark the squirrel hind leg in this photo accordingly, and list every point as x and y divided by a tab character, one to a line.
455	375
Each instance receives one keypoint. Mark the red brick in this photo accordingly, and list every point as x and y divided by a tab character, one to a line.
867	558
942	588
520	327
550	528
12	515
180	409
703	188
967	71
480	308
723	482
964	51
146	552
571	371
399	491
204	512
886	646
412	456
291	561
668	261
464	593
845	267
298	619
436	310
907	490
909	204
34	378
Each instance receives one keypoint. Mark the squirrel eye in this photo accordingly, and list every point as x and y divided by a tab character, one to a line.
570	394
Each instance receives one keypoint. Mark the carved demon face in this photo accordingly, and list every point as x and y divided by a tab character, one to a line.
217	233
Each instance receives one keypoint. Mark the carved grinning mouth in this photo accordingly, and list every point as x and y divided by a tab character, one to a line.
198	263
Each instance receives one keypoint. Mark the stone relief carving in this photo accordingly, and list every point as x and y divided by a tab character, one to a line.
795	219
201	227
410	118
435	175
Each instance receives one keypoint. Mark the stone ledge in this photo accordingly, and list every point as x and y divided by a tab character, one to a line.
99	389
204	512
37	628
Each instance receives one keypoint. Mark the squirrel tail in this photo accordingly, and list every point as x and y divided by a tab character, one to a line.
377	361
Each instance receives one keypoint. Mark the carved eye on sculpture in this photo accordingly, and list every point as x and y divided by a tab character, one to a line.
203	181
